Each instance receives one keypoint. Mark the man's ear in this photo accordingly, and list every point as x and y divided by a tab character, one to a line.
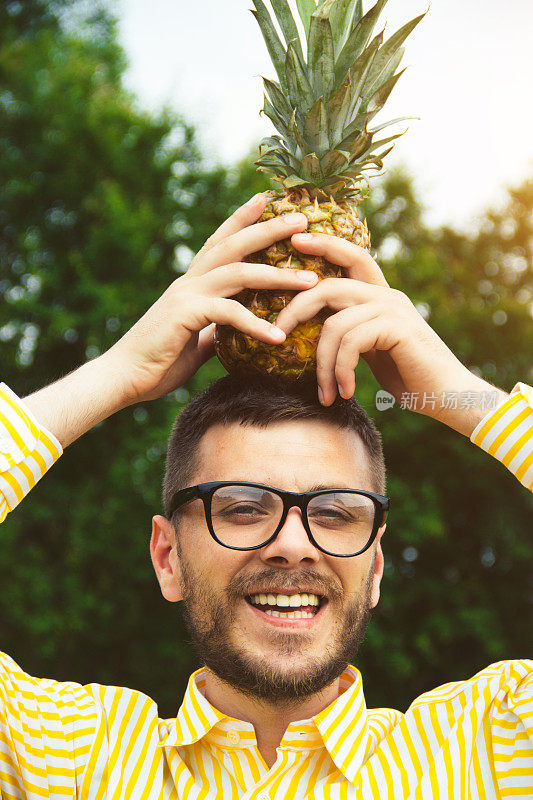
378	569
165	558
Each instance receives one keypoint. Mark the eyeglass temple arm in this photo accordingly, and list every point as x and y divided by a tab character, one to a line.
183	496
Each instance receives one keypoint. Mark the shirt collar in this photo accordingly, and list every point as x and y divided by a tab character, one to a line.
341	727
196	715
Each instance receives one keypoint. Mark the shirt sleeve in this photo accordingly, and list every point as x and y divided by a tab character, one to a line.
511	722
507	433
27	450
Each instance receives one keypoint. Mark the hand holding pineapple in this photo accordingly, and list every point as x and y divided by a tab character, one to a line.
381	324
175	336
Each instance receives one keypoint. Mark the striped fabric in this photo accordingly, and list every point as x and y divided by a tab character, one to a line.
27	450
471	739
507	434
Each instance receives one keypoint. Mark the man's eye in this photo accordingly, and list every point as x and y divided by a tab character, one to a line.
242	510
332	514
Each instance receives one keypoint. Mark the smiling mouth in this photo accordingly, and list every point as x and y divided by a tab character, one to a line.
297	606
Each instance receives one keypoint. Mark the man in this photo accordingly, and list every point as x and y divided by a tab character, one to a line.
274	515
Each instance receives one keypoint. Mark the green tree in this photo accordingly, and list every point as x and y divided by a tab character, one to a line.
458	585
101	206
94	213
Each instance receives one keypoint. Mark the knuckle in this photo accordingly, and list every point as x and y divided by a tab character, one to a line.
349	340
326	284
401	297
328	325
322	364
221	246
238	270
208	244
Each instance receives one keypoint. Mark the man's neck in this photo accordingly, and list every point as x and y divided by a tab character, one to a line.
270	720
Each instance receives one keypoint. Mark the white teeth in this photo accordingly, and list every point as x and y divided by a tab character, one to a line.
286	601
290	614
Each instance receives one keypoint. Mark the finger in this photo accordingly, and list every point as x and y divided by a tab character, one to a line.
232	278
245	215
365	337
334	293
357	261
331	336
206	343
250	240
230	312
194	356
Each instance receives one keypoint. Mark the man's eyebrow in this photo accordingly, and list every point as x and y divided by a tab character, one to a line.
320	486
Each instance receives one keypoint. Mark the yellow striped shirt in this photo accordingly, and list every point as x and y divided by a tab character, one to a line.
470	739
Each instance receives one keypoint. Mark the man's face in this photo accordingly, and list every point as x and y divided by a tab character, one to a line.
281	660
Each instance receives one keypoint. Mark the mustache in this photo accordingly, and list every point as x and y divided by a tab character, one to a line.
303	580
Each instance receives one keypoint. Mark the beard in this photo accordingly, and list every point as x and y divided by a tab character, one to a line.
210	621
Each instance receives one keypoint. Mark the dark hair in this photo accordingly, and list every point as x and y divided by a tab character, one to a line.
260	401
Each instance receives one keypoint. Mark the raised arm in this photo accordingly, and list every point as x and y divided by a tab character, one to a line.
407	357
156	356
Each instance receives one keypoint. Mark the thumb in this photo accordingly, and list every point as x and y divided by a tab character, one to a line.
206	344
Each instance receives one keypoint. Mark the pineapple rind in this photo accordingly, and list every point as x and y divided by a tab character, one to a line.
296	357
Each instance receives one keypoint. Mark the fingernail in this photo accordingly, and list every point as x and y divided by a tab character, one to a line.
344	393
321	395
292	219
307	275
303	237
253	200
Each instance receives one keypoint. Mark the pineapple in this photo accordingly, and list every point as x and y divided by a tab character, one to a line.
321	107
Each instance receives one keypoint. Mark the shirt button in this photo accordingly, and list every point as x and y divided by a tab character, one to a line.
263	796
234	738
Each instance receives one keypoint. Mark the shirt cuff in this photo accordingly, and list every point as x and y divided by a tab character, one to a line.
507	433
27	450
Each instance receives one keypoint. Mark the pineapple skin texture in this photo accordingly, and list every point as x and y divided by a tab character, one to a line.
295	359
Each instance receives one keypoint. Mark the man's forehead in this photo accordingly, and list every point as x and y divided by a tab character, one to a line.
309	453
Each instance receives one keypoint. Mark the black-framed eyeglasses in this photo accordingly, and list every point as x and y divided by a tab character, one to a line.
248	516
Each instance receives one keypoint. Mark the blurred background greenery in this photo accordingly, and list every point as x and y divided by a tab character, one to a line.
101	206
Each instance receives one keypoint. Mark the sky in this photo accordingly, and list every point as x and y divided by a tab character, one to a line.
470	69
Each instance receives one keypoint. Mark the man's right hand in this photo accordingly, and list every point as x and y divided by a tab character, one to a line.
175	336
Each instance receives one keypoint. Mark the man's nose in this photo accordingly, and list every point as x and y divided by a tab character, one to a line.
292	545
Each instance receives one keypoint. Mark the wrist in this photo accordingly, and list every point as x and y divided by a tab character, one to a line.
465	401
80	400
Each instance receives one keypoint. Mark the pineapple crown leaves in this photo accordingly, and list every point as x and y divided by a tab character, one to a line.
322	104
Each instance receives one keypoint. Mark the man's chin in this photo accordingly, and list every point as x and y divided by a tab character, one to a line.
283	669
271	664
274	679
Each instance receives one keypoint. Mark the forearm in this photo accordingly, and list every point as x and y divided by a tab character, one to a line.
466	402
76	403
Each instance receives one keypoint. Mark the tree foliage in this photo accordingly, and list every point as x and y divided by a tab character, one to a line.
101	206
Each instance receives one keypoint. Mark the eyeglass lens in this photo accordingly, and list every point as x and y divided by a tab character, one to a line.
247	516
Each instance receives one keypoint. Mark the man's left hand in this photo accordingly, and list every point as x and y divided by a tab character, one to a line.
381	324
